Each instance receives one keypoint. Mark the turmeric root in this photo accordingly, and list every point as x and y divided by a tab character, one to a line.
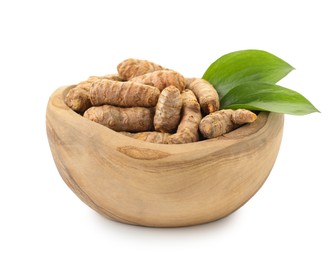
162	79
152	137
131	68
189	81
78	98
243	116
223	121
133	119
187	130
168	108
206	95
123	94
145	96
114	77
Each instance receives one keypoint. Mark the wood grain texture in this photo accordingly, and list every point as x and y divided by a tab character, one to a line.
160	185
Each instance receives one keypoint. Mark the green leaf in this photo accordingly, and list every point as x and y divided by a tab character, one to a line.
267	97
238	67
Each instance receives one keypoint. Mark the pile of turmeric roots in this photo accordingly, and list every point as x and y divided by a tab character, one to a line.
149	102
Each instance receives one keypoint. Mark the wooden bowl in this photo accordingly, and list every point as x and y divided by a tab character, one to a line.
160	185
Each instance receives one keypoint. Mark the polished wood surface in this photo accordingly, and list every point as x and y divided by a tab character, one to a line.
160	185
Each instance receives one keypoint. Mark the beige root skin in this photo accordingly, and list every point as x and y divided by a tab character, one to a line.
224	121
131	68
114	77
152	137
162	79
123	94
168	109
133	119
189	81
206	95
243	116
187	130
78	98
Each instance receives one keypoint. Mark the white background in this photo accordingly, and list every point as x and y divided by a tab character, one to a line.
47	44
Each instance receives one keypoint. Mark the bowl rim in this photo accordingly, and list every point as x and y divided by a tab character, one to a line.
244	133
